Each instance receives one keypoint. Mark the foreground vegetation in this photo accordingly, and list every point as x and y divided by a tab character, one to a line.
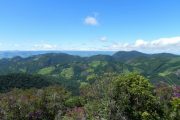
110	97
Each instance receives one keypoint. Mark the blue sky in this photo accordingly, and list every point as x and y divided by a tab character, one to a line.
144	25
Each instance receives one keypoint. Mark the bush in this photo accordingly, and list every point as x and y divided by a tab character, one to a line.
134	99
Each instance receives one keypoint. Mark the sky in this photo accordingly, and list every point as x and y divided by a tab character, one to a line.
105	25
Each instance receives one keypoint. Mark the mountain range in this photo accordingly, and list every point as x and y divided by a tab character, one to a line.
156	67
11	54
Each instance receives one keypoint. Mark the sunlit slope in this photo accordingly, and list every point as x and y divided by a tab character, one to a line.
157	67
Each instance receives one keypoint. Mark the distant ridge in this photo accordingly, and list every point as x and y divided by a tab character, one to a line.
126	55
115	54
157	67
11	54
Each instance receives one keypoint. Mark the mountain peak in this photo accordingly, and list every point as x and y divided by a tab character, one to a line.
127	55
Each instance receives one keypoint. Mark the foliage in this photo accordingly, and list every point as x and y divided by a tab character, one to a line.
98	95
46	71
175	110
34	104
109	97
22	80
67	73
75	102
134	99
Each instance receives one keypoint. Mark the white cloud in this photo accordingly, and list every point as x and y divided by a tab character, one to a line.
171	45
89	20
44	47
140	42
103	38
175	41
159	45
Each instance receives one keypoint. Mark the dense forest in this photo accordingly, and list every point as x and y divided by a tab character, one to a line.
156	67
57	86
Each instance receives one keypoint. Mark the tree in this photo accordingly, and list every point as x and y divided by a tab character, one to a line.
175	109
98	95
133	99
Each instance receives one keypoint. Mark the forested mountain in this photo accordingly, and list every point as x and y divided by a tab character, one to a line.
157	67
59	86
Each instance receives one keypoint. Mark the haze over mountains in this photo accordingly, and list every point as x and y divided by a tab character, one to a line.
11	54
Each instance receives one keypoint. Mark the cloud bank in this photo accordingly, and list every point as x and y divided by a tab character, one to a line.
169	45
159	45
44	47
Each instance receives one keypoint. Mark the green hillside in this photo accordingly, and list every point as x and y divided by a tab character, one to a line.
101	87
157	67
